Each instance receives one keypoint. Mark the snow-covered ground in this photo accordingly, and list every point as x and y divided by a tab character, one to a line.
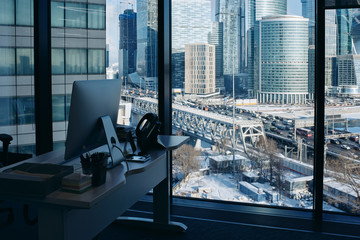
224	187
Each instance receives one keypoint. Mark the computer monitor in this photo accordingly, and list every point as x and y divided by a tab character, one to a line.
93	114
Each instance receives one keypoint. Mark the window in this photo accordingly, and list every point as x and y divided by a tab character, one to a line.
96	60
76	61
7	61
25	12
75	15
7	12
24	61
57	14
57	61
96	16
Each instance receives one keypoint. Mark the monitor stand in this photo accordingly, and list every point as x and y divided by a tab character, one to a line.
111	138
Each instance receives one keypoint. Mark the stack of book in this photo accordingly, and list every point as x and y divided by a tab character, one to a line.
76	182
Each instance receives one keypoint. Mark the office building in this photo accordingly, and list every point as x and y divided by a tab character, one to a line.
256	10
147	41
78	53
107	56
280	68
344	38
216	38
191	23
348	75
199	68
127	42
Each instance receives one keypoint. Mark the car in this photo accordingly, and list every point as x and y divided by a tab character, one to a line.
290	136
357	148
334	141
344	146
279	132
354	138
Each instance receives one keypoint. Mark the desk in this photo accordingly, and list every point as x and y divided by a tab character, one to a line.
64	215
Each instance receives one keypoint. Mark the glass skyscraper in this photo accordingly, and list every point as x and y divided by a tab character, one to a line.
283	59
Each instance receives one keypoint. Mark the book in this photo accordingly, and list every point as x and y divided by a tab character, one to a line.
76	182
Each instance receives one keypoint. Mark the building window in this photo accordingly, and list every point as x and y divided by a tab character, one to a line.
96	61
57	61
7	61
24	61
57	14
25	12
76	61
75	15
7	12
96	16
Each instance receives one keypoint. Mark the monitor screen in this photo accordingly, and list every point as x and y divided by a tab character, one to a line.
90	100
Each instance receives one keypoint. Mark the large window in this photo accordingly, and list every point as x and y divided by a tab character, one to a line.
75	14
25	12
96	61
76	61
96	16
7	12
7	62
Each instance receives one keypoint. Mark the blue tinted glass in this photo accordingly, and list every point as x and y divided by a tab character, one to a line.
25	61
57	14
25	12
7	12
96	16
96	61
7	111
7	61
76	61
67	107
75	14
57	61
25	110
58	108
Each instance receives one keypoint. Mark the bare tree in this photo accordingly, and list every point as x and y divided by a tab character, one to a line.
222	145
186	159
346	172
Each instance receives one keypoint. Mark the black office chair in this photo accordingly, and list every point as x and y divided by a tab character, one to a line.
7	158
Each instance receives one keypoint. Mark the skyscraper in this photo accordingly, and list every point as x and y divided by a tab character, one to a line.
216	38
191	23
127	42
256	10
147	41
199	68
344	22
283	59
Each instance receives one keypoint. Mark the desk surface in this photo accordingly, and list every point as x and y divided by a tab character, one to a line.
115	178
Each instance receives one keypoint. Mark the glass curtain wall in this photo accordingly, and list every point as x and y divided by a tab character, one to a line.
17	74
243	90
342	112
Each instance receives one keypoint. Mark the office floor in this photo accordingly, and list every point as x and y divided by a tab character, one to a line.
206	229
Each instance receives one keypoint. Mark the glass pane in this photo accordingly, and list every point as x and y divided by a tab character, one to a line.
96	16
25	61
57	14
243	85
341	3
75	15
342	120
96	61
58	103
76	61
57	61
25	110
7	111
7	12
7	62
25	12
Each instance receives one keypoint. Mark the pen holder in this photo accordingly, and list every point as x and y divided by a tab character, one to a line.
99	168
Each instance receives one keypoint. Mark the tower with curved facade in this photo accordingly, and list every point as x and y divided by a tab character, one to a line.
283	59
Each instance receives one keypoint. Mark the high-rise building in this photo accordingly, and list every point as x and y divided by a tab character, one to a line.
256	10
127	43
78	53
147	42
283	59
199	68
191	23
232	14
344	38
216	38
348	74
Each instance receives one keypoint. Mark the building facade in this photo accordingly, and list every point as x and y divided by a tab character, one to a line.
199	68
216	38
283	59
78	53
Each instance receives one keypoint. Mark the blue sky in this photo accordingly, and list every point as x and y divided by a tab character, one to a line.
115	7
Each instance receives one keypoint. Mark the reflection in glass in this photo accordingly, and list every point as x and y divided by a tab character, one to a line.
7	61
75	15
25	110
24	61
57	61
96	16
76	61
7	12
25	12
7	111
58	107
57	14
96	61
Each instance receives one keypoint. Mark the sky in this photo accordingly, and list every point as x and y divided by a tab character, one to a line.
115	7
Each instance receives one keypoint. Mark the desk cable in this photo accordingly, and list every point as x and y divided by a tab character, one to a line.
127	164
